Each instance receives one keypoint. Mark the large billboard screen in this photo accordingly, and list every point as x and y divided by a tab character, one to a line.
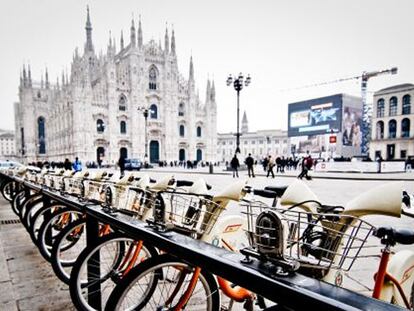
351	127
316	116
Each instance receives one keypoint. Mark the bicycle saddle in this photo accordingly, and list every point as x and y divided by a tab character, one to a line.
391	236
280	190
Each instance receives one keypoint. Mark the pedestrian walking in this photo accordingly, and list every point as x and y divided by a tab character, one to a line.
77	165
67	165
249	162
270	165
235	166
265	162
307	163
121	163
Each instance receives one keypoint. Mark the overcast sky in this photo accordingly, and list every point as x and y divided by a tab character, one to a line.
282	44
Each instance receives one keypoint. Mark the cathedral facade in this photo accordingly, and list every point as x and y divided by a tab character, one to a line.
130	101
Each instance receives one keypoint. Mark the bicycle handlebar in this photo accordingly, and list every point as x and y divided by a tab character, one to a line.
265	193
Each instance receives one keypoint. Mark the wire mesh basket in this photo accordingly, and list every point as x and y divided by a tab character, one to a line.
138	201
94	191
53	180
191	214
74	185
315	240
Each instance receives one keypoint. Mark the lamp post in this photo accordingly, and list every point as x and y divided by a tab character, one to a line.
145	111
238	86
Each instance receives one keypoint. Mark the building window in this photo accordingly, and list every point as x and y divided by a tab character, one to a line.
405	127
380	107
198	131
393	106
380	130
245	142
152	78
181	110
406	104
182	130
392	129
100	126
403	154
41	135
253	142
260	141
123	128
154	111
122	103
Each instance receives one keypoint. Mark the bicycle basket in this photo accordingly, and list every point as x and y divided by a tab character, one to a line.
315	240
186	213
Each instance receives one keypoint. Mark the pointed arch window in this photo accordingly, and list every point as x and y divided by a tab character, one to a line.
123	127
405	128
393	106
198	131
41	135
406	104
380	107
152	78
392	129
181	110
182	130
154	111
122	103
100	126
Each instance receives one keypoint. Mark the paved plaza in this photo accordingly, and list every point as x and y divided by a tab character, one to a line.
28	282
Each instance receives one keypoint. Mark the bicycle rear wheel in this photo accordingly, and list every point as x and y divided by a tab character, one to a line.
160	283
115	252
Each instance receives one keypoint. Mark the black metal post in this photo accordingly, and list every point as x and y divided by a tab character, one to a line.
238	123
94	269
146	134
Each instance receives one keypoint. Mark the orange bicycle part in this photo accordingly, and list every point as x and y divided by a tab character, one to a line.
237	293
177	288
184	299
134	258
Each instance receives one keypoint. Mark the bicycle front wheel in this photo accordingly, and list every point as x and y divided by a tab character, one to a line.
161	283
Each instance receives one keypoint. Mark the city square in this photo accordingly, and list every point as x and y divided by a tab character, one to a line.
151	101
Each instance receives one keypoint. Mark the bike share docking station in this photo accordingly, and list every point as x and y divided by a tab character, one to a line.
291	291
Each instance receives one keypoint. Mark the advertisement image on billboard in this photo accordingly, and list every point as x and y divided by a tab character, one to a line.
313	117
351	127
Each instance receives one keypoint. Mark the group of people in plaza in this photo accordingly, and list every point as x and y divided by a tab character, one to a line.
269	163
66	165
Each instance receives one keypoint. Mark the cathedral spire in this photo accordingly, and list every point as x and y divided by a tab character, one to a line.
213	92
57	83
166	40
63	78
139	33
245	124
208	89
29	76
47	79
24	76
66	77
173	42
191	75
41	80
122	40
133	34
88	28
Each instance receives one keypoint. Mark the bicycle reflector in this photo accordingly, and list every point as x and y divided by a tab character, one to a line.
269	234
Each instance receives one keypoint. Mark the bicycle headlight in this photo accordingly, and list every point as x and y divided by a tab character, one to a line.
269	236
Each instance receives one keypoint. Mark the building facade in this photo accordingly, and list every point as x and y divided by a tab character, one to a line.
326	127
259	144
7	145
92	112
392	136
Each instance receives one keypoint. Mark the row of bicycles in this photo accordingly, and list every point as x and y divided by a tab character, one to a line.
286	228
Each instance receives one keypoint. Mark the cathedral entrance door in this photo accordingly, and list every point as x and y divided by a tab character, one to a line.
123	153
199	154
181	155
100	154
154	151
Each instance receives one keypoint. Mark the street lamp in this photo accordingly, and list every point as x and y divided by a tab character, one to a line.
145	111
238	86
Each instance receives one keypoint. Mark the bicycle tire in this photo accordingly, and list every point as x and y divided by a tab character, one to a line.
45	246
155	264
18	201
57	264
6	191
77	286
27	209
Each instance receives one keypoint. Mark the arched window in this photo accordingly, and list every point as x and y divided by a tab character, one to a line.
154	111
123	127
405	127
199	155
393	106
122	103
406	104
181	110
380	107
198	131
41	135
181	155
182	130
100	126
152	78
392	129
380	130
